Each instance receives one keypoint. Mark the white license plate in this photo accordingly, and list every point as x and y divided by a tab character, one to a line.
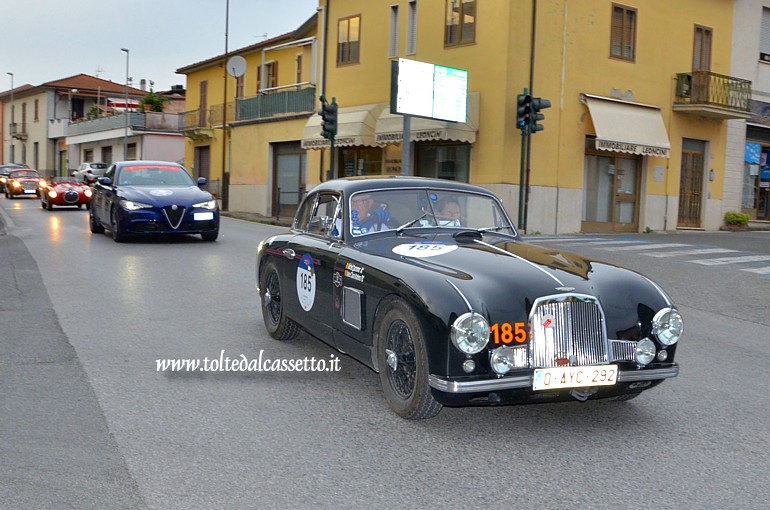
575	377
30	191
203	216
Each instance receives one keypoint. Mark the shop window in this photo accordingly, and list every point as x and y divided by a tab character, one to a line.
360	161
443	161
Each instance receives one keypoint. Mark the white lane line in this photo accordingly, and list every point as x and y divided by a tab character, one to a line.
599	243
535	239
700	251
758	270
645	247
731	260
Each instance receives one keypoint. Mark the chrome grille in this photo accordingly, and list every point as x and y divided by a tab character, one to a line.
623	350
568	329
174	215
71	196
28	185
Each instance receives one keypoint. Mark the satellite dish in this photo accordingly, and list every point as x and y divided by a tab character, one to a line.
236	66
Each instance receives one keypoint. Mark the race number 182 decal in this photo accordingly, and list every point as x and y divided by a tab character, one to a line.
306	282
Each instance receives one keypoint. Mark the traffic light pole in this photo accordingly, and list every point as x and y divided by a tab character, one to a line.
524	137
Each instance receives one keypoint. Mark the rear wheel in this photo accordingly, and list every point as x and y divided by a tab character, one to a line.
403	363
278	325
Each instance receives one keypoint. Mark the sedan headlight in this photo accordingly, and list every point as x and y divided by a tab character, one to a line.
211	204
133	206
470	333
667	326
645	351
41	183
16	184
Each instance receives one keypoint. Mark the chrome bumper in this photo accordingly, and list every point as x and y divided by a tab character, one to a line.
525	381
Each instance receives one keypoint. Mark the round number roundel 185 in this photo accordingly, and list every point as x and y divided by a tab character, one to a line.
424	249
306	282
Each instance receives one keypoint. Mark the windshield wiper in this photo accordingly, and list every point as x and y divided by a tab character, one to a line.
410	223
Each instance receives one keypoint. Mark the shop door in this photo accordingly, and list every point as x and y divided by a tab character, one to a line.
611	194
691	184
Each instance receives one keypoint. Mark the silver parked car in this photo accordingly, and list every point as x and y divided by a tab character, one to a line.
89	172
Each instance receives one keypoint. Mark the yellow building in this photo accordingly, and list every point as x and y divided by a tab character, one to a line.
635	136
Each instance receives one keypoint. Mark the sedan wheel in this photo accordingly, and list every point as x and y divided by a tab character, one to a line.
95	226
278	325
117	235
403	363
210	236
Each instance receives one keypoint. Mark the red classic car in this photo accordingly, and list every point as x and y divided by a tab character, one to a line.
23	182
65	191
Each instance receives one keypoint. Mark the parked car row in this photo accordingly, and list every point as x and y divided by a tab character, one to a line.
129	198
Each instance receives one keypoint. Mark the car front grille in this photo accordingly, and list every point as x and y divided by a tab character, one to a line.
567	329
71	196
29	185
174	215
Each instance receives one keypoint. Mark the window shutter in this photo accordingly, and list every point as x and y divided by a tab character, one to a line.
764	42
616	31
393	39
411	28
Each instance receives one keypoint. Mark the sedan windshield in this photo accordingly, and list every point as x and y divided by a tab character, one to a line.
373	211
154	175
25	174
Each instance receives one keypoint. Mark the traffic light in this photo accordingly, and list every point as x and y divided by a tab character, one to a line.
328	113
523	112
535	116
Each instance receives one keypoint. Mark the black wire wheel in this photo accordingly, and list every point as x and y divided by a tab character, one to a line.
278	325
403	363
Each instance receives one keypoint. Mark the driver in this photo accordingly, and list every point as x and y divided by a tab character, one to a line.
365	217
448	212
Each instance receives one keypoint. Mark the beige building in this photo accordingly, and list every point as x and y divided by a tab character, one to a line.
635	137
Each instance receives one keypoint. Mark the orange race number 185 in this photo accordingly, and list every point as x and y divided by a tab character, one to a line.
506	332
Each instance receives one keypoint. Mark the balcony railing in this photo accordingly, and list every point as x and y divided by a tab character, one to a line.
279	102
18	130
712	95
147	121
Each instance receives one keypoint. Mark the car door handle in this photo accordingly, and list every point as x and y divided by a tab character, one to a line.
289	253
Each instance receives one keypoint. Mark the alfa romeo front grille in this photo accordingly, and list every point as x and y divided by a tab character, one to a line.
71	196
568	329
174	215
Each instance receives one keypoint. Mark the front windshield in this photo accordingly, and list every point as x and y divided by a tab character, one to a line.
57	180
22	174
154	175
374	211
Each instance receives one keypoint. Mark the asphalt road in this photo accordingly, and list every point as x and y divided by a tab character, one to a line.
88	421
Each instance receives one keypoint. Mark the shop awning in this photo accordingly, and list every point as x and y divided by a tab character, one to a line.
390	127
355	126
633	128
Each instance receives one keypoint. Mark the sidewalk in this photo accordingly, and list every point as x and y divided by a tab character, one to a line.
283	221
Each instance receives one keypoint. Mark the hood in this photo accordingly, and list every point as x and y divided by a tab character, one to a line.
504	277
67	185
163	196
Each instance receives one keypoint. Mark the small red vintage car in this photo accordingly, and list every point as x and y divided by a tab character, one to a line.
65	191
23	182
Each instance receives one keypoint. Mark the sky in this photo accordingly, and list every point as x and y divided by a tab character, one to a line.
47	40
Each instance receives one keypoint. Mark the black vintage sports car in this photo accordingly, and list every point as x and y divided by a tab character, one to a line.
152	198
460	311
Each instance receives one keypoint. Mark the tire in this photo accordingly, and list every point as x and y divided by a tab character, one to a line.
42	204
210	237
117	235
403	362
49	205
277	323
95	226
626	397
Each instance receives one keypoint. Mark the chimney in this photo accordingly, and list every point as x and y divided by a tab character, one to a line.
143	84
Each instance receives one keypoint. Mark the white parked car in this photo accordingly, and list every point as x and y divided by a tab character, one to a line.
89	172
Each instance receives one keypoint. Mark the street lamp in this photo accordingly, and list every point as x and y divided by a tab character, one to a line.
12	126
125	135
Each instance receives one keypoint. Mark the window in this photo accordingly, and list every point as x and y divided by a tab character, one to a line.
239	87
393	38
37	110
203	94
131	152
764	41
460	22
623	33
299	69
326	218
411	28
36	154
348	40
701	55
271	70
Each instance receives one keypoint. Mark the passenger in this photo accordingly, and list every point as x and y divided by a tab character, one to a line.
448	212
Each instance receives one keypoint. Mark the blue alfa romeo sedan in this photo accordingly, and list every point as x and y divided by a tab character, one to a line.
152	197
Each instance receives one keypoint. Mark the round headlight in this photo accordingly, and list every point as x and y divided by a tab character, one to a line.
667	326
645	351
52	194
501	360
470	333
88	192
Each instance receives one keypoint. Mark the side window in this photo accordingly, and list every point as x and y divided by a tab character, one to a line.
110	173
304	213
324	220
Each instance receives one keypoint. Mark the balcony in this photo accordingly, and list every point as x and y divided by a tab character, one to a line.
137	121
18	130
276	103
196	126
712	95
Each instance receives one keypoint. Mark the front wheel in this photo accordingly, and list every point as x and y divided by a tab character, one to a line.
94	225
210	237
117	235
278	325
403	363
